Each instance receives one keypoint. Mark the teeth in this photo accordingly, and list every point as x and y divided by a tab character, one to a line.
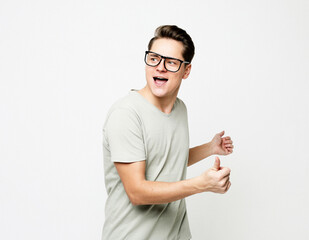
158	78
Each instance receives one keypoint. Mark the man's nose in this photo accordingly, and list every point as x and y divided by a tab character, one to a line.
161	67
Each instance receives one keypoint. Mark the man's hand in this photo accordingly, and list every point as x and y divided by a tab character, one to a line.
215	179
221	145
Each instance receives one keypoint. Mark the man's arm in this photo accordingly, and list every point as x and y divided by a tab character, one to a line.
219	145
143	192
198	153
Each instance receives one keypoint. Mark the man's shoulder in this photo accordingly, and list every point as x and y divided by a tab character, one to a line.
127	102
124	106
181	106
180	102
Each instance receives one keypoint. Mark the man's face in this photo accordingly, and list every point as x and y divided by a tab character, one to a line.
169	48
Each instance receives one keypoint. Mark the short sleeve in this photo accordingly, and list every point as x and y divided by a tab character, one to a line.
124	136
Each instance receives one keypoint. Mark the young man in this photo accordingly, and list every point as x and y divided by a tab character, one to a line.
146	150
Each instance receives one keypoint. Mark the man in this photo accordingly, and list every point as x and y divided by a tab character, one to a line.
146	150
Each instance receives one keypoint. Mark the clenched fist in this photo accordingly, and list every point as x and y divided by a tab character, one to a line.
215	179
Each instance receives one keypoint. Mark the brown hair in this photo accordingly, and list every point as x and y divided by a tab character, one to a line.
178	34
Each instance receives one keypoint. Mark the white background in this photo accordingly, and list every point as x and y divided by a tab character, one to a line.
61	68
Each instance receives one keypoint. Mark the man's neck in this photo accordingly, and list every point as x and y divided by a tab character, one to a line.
164	104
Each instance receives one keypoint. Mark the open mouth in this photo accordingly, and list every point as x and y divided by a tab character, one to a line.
159	81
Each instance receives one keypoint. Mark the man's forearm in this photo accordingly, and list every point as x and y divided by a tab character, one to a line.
150	192
198	153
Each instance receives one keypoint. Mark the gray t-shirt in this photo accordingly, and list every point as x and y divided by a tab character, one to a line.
136	130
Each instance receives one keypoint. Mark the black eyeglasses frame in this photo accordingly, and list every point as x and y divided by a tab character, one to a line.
164	57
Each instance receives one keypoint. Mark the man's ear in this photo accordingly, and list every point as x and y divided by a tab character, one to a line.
187	72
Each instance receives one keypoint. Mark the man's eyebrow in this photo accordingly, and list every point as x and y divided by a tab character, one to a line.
174	58
156	54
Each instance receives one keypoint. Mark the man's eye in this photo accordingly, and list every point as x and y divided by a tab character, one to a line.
154	59
171	62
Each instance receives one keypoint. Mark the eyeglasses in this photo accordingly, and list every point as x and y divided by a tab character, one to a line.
171	64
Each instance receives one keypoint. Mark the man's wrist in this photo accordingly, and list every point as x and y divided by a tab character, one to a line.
196	185
212	149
